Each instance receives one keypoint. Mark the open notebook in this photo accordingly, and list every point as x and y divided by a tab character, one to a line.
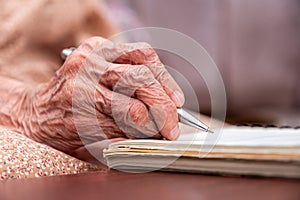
254	151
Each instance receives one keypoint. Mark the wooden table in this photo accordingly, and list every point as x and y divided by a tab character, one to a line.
154	185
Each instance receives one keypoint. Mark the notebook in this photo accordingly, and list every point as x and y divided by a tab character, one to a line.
234	150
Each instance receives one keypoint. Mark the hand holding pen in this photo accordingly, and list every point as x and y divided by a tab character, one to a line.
183	115
78	109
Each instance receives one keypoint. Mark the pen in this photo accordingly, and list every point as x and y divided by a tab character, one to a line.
188	119
183	116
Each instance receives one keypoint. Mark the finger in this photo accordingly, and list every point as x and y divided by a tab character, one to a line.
139	81
144	54
130	115
118	127
94	124
92	130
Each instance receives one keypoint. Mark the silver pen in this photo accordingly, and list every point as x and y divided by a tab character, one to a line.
188	119
184	116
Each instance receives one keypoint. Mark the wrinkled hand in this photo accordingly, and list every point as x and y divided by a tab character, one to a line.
122	88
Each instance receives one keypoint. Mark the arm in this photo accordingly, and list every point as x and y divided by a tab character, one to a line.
14	100
34	112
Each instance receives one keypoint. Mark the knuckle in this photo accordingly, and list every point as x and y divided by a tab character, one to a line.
144	45
113	75
73	63
146	49
76	58
136	46
92	42
90	45
142	74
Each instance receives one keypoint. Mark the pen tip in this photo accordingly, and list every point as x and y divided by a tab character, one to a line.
209	131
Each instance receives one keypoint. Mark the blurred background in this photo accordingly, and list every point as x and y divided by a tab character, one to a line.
255	44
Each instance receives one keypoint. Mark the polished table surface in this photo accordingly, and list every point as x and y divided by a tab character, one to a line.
154	185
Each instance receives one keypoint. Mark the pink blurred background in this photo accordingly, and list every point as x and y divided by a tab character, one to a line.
255	44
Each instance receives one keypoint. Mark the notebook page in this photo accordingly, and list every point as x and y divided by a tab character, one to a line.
247	136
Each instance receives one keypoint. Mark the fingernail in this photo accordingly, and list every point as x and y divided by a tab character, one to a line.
178	98
174	133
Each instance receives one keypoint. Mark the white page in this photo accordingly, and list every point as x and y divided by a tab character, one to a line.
247	136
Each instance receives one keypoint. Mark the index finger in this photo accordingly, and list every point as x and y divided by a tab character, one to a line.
143	54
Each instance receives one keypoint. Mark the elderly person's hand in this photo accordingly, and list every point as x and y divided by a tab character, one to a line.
125	86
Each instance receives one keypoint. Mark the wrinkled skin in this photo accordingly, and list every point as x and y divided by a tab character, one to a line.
117	83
